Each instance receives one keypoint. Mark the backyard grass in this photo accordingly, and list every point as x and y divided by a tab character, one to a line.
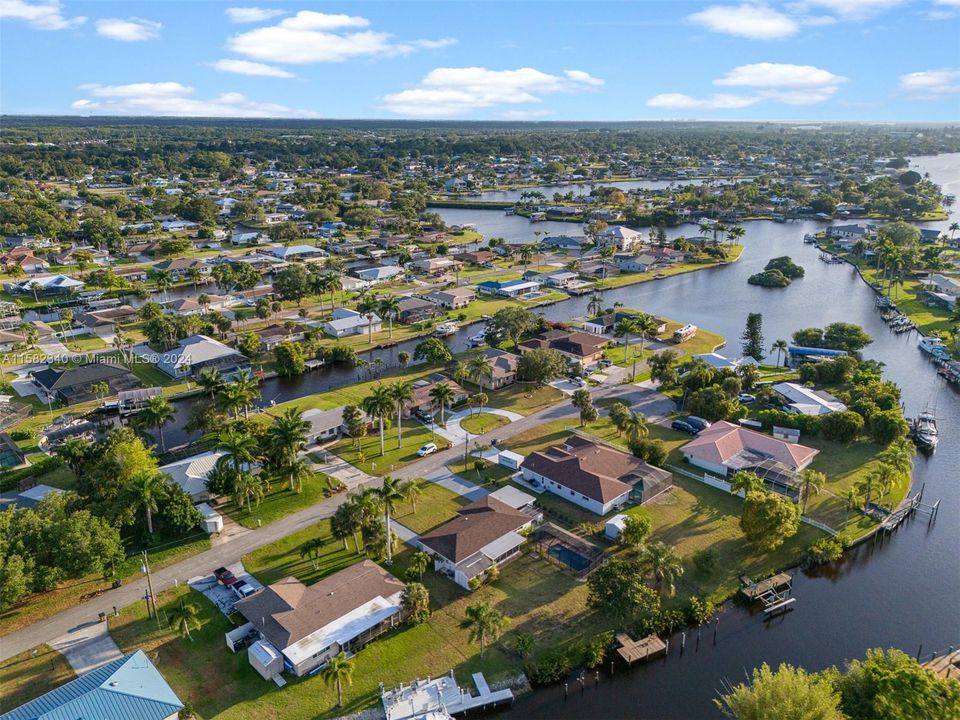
482	422
31	674
84	343
368	458
72	592
435	506
524	399
280	501
281	558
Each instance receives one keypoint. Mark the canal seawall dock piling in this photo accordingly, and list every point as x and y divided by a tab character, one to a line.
774	592
640	650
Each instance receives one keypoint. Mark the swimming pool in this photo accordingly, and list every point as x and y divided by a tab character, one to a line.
569	557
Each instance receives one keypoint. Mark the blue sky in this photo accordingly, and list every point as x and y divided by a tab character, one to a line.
796	60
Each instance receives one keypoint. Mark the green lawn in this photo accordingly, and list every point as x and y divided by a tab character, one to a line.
368	458
281	501
524	398
491	472
482	422
282	559
435	506
85	343
31	674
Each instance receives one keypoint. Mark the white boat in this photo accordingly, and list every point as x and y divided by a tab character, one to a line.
810	238
444	329
932	345
925	432
478	339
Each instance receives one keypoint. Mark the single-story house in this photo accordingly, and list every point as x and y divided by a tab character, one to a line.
46	285
634	263
930	235
596	477
511	289
192	306
128	687
181	268
380	273
25	258
276	333
807	401
477	257
9	340
453	299
324	424
245	235
718	361
434	266
198	352
422	400
297	252
131	274
485	533
582	347
308	625
414	309
107	317
191	473
724	448
74	385
344	322
518	500
605	324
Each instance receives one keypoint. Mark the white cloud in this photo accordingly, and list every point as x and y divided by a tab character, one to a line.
173	99
749	20
778	82
679	101
931	84
948	3
240	15
451	92
248	67
130	30
39	16
314	37
854	9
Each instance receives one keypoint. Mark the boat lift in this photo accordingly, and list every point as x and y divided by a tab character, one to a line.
773	592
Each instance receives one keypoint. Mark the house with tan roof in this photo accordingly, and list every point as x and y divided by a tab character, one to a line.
485	533
308	624
585	348
597	477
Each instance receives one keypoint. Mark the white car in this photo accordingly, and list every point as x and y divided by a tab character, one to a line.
427	449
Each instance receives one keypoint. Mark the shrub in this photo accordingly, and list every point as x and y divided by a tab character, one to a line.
552	667
651	451
841	426
698	610
824	550
17	435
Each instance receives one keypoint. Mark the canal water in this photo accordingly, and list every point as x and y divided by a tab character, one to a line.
901	593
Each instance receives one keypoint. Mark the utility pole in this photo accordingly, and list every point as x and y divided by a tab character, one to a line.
145	568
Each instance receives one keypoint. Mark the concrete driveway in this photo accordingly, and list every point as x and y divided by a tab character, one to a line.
223	597
88	646
456	434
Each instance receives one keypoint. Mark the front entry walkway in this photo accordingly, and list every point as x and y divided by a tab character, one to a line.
456	434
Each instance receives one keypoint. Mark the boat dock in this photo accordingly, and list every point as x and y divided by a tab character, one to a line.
633	650
907	507
439	698
946	666
774	592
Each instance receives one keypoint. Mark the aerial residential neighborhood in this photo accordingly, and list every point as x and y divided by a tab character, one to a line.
372	361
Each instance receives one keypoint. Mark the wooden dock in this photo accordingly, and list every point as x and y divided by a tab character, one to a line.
946	666
756	590
633	650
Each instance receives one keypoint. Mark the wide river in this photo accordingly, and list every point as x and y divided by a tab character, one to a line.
901	593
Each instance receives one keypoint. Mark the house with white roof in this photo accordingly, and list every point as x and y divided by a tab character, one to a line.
344	322
807	401
198	352
380	273
191	473
46	285
297	252
623	238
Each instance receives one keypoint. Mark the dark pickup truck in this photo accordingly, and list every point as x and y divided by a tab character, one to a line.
225	577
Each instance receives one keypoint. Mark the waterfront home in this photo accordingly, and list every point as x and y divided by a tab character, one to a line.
24	258
423	404
434	266
596	477
107	318
477	257
46	285
197	352
377	274
191	473
76	384
453	299
565	242
510	289
622	238
303	626
604	324
930	235
943	290
297	252
414	309
581	347
276	333
634	263
128	687
718	361
807	401
183	268
847	235
724	448
485	533
559	279
193	306
131	274
245	235
504	366
344	322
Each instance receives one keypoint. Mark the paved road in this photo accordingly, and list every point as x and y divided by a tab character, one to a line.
645	400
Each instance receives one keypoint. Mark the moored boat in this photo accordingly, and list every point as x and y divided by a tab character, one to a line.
924	431
447	328
933	346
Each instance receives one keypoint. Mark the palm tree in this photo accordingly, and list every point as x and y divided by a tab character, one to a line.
389	307
525	252
813	481
624	329
368	307
157	413
401	392
248	390
479	368
595	306
736	232
483	622
390	494
163	280
247	488
311	548
239	448
286	438
442	395
419	563
866	486
184	616
378	404
645	326
899	455
780	347
210	380
953	229
146	489
337	671
411	490
635	425
661	562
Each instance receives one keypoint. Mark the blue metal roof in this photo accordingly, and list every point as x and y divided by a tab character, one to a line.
822	352
130	687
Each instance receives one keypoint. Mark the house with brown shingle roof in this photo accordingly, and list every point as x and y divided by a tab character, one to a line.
581	347
485	533
596	477
309	624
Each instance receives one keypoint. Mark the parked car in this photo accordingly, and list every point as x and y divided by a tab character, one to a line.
427	449
604	363
698	423
578	381
225	577
683	427
746	398
423	415
243	589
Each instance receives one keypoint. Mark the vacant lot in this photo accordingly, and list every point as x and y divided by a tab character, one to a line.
435	506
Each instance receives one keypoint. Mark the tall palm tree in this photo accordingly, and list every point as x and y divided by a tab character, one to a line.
595	306
146	489
484	623
247	488
624	329
736	232
337	671
239	448
312	548
389	494
379	403
368	308
411	490
899	455
157	413
184	616
479	368
813	482
661	562
286	438
248	389
401	392
442	395
635	425
389	307
646	327
780	347
210	380
525	252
